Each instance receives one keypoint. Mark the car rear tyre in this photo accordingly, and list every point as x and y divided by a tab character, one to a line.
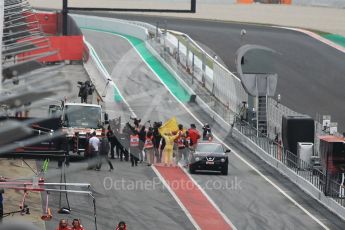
225	170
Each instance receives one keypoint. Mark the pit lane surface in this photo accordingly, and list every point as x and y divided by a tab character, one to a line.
132	194
244	196
311	73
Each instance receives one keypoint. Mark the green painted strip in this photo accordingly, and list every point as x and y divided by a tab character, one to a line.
162	72
117	95
338	39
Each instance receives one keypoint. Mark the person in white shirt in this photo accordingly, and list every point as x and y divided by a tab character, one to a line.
94	147
100	150
94	142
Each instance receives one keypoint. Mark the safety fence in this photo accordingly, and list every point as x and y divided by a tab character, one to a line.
193	75
275	113
193	83
216	85
327	184
197	66
219	81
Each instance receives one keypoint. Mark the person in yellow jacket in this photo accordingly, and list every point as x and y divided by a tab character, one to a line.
169	146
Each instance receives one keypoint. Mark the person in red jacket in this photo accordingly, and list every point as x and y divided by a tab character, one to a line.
194	136
76	225
121	226
63	225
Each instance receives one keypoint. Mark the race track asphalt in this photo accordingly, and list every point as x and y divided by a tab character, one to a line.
254	204
311	73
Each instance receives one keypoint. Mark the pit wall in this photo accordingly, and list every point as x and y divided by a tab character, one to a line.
48	21
69	48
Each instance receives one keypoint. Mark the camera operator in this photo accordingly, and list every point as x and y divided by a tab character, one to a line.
207	134
83	91
136	121
157	140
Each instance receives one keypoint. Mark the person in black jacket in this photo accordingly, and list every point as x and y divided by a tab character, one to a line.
206	134
103	154
83	91
142	137
126	132
114	140
119	148
157	140
111	138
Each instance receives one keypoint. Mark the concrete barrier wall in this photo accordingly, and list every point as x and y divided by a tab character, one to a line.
117	106
111	25
97	73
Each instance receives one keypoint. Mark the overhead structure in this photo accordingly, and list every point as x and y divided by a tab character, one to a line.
254	65
66	8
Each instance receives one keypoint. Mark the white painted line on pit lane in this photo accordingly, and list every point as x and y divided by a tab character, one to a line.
184	209
250	165
236	154
106	75
161	178
207	196
209	199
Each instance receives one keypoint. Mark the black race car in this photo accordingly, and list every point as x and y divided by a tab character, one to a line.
210	156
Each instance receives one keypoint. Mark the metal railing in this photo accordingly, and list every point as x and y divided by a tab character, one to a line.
183	53
325	183
192	76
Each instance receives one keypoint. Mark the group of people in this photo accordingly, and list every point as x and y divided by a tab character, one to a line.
76	225
144	143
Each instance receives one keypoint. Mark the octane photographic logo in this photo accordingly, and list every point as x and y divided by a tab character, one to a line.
124	184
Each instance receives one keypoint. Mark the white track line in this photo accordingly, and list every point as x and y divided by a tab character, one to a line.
209	199
207	196
235	153
184	209
315	36
106	75
190	217
241	158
